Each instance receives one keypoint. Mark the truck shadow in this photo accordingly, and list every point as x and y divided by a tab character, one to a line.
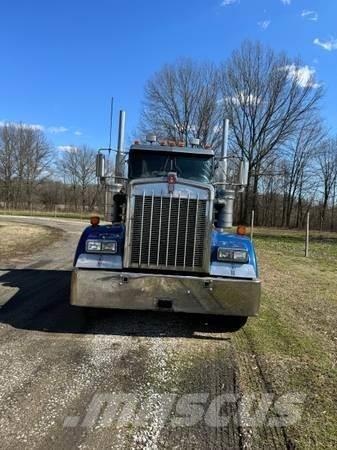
35	299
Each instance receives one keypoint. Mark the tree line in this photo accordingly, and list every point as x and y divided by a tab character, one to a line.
34	175
273	103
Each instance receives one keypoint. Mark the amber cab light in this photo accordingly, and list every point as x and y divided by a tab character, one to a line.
94	220
241	230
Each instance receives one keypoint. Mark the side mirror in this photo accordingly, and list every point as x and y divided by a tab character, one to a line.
100	165
244	169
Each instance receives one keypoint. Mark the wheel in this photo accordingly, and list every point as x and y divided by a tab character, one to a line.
235	323
223	324
92	313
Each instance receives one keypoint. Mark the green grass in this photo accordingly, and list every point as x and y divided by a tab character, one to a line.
295	337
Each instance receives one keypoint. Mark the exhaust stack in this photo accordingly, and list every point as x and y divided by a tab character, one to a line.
100	165
119	166
225	196
224	151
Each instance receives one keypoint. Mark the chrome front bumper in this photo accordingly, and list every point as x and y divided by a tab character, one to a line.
202	295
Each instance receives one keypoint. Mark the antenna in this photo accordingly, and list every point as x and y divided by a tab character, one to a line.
111	116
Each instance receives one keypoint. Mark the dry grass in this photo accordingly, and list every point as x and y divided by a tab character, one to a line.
18	240
295	337
85	216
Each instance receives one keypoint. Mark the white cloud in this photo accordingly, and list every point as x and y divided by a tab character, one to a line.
228	2
329	45
264	24
33	126
286	2
310	15
56	130
78	133
66	148
304	75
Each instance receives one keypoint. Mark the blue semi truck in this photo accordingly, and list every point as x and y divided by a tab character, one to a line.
169	244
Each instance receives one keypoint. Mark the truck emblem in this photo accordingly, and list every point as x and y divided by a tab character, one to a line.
171	181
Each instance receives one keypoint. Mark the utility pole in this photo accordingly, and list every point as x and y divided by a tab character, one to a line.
307	235
252	225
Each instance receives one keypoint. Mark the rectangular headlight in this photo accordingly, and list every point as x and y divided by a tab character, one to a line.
232	255
93	246
240	256
224	254
109	246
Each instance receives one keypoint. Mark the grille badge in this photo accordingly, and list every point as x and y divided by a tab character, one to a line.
171	181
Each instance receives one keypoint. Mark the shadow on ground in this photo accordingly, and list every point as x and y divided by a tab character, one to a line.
39	300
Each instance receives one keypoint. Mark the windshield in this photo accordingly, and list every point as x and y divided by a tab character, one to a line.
151	165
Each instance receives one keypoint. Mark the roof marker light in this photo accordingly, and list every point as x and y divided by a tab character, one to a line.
195	142
152	138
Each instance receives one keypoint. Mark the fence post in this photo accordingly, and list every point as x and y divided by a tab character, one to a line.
307	235
252	225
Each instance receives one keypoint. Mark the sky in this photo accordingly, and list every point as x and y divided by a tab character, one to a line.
61	61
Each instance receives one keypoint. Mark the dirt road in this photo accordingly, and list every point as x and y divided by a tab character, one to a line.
116	379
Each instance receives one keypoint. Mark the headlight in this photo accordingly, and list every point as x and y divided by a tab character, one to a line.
232	255
109	246
93	246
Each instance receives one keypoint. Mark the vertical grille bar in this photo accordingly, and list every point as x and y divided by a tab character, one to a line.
177	234
141	230
195	230
151	226
159	237
168	231
186	228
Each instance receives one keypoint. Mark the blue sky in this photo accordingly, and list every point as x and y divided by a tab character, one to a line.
62	60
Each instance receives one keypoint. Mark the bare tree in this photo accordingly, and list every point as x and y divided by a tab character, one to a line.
298	159
327	165
266	97
24	161
181	101
7	162
37	155
77	167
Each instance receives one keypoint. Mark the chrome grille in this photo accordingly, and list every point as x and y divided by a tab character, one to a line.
168	232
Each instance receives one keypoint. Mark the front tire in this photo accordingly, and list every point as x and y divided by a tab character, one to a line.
230	324
235	323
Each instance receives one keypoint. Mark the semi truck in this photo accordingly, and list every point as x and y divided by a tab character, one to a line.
169	243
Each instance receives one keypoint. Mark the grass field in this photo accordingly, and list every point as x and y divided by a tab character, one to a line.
294	341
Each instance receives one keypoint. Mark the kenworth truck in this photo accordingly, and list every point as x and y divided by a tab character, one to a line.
170	244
